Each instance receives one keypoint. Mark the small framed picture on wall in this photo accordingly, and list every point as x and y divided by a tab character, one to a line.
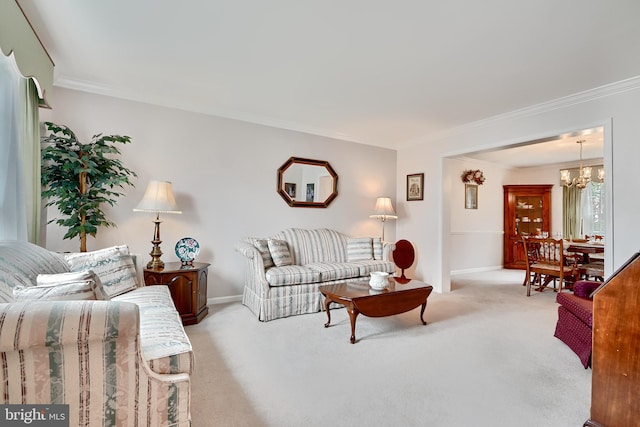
470	196
415	187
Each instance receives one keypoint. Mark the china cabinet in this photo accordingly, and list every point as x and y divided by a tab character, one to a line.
527	212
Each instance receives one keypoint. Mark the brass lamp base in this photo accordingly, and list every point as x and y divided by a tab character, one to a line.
156	263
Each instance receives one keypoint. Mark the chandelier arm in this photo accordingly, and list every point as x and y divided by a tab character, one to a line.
583	177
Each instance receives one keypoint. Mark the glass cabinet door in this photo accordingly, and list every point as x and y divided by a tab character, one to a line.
529	218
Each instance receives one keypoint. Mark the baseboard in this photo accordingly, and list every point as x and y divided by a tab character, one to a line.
475	270
224	300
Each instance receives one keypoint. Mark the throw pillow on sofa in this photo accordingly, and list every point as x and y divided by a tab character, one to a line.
74	290
262	245
280	254
114	266
359	248
68	278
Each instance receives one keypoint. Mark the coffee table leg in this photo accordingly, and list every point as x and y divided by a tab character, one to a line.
424	306
327	301
353	313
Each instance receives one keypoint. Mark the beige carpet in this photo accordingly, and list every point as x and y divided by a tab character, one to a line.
486	358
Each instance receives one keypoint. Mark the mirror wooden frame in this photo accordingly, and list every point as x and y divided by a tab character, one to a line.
303	204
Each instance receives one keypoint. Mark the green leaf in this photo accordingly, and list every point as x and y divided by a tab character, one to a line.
64	159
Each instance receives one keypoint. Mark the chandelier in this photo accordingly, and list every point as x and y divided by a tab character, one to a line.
584	177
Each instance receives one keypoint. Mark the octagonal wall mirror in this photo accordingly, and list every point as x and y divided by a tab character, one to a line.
307	183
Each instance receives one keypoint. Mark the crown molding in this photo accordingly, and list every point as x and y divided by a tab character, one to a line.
627	85
559	103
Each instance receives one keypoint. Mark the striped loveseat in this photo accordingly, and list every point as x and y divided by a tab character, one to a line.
283	271
122	361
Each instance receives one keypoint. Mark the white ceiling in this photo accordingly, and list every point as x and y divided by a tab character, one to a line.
377	72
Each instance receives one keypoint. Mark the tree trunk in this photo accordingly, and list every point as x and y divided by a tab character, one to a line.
83	216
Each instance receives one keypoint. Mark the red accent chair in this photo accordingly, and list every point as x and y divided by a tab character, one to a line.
575	319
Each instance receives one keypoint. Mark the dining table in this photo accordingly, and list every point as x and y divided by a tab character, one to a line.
585	248
590	267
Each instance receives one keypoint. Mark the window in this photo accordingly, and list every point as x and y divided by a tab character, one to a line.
592	202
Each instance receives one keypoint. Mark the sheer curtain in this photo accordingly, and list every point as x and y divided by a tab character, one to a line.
31	159
19	154
592	208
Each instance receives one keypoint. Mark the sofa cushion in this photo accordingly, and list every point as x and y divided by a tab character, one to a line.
164	342
291	275
318	245
582	308
66	278
335	270
366	267
359	248
279	252
20	264
114	266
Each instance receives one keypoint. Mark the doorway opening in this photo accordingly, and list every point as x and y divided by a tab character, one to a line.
548	155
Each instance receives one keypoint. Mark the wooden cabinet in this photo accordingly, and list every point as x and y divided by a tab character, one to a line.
188	287
527	212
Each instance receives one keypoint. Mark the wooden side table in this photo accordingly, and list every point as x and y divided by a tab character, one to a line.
188	287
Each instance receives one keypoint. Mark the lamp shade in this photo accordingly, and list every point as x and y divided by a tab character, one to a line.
158	197
384	209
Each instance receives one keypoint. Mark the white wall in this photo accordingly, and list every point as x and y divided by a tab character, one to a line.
615	107
476	235
224	178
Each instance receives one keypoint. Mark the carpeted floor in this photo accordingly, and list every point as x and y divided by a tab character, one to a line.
486	358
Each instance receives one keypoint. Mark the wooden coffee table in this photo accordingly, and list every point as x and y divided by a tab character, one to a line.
401	295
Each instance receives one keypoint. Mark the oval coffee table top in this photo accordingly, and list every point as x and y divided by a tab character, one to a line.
362	289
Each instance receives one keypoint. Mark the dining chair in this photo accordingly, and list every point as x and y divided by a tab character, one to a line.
545	258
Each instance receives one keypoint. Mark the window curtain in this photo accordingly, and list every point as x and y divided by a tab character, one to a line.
31	159
20	203
592	208
571	212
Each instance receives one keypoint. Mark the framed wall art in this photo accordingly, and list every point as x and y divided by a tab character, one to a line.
470	196
415	187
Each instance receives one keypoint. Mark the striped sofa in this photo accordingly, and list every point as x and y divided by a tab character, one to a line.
320	256
126	361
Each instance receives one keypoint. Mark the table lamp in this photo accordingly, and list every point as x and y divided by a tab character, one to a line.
157	198
383	211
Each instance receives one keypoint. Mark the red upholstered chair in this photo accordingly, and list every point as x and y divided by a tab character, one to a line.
575	319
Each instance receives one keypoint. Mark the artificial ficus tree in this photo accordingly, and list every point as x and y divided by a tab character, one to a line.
79	179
